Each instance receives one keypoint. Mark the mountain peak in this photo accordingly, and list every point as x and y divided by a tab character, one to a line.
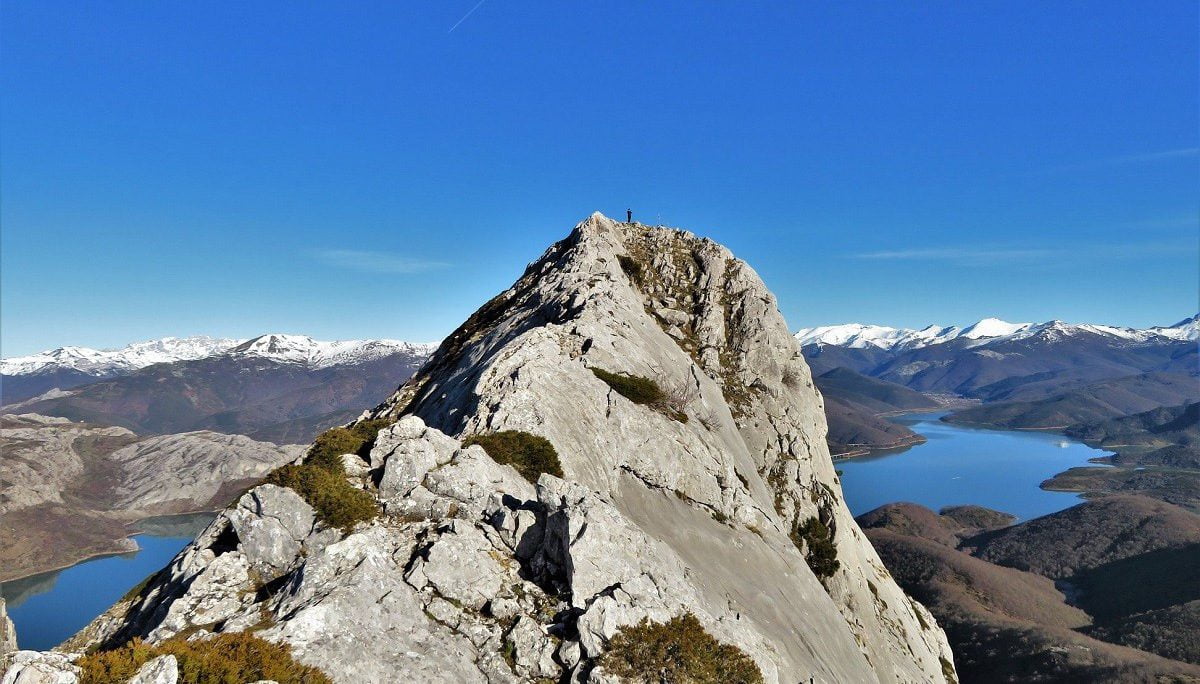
286	348
992	327
987	331
618	299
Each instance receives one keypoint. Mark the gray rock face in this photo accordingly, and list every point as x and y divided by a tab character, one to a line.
35	667
753	450
189	469
476	575
161	670
8	633
272	524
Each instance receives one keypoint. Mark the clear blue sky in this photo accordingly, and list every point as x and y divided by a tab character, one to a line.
173	168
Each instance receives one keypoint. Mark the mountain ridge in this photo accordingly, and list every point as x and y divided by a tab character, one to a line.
985	331
137	355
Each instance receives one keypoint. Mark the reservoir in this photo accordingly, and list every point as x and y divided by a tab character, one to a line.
998	469
50	607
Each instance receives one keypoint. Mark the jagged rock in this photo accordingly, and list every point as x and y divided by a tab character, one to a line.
8	632
271	523
352	614
471	479
686	506
355	466
215	594
407	451
36	667
161	670
532	649
461	565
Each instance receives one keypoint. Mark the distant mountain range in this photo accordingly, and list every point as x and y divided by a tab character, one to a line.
278	388
986	332
285	388
25	377
1048	375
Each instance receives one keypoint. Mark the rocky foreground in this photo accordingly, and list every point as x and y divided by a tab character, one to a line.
710	502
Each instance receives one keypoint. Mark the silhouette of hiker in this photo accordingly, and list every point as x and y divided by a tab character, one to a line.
628	216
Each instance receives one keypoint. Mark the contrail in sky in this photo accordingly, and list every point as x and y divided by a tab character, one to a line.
469	13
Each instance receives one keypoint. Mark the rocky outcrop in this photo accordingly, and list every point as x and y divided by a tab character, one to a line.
8	633
473	573
35	667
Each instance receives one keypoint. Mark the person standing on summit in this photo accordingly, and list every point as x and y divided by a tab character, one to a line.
628	216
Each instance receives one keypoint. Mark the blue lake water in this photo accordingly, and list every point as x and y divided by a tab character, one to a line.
999	469
50	607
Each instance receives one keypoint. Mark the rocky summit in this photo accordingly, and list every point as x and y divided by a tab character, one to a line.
682	472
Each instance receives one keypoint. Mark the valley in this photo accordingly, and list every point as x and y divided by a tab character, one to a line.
69	491
1105	590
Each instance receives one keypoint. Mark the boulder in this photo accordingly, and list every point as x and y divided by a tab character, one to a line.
8	632
36	667
161	670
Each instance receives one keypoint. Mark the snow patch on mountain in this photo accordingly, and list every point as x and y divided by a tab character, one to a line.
859	336
985	332
299	349
320	354
101	362
1187	329
992	327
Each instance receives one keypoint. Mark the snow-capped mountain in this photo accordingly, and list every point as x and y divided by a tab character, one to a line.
214	384
859	336
984	332
277	347
106	362
1187	329
320	354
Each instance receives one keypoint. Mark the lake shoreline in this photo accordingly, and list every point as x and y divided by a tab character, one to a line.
121	547
958	464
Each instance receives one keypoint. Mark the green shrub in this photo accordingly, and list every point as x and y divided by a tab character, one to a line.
813	537
632	268
642	390
678	650
336	502
223	659
635	388
529	454
331	444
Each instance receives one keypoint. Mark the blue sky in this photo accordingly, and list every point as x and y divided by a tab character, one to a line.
182	168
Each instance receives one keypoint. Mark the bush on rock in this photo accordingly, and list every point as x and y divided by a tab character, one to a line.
529	454
230	657
679	650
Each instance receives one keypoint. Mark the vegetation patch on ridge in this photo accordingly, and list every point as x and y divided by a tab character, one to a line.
679	650
329	446
529	454
643	390
337	502
815	540
221	659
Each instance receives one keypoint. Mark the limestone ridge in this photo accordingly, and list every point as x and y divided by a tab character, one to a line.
8	633
684	311
475	574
